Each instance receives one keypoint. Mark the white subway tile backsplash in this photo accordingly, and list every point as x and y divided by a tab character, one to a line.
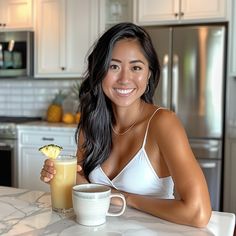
29	97
4	91
15	98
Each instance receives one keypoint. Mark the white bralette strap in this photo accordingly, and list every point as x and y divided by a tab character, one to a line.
144	141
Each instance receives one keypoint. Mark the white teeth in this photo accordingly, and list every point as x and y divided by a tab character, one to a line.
124	91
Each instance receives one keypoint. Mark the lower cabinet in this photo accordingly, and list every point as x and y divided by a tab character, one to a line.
30	160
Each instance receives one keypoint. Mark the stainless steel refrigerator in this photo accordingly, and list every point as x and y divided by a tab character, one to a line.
192	84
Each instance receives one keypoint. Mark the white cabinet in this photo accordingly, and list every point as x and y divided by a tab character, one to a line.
115	11
232	41
16	14
65	30
30	160
179	11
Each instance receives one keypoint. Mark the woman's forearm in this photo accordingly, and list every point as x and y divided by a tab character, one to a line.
177	211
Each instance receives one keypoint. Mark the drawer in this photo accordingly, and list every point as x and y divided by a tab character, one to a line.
64	139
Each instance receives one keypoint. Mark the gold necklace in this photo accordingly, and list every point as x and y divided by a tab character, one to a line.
127	130
119	134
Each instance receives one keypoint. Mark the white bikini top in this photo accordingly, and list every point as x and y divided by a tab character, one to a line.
138	176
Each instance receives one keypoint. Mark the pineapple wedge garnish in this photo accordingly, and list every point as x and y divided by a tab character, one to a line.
51	150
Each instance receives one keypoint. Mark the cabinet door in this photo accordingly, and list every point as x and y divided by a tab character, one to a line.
81	30
48	34
114	12
201	9
66	31
30	160
30	165
157	11
180	11
17	14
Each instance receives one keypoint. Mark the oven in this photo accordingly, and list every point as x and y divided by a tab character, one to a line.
8	149
8	160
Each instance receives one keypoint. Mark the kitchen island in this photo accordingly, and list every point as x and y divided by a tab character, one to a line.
25	212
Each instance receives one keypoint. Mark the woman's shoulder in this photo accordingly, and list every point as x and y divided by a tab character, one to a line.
162	113
164	119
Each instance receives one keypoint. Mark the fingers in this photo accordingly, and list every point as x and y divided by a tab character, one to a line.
48	171
79	168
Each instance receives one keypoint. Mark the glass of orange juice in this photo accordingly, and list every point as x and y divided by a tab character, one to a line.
62	183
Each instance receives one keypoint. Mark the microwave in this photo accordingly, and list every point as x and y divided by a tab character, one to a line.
16	54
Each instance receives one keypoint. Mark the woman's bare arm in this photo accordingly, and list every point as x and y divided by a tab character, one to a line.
193	206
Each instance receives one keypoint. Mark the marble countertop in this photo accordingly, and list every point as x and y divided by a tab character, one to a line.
25	212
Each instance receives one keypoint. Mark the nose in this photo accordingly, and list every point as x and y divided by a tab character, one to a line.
124	76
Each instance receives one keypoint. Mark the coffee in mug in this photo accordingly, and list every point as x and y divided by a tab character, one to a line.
91	203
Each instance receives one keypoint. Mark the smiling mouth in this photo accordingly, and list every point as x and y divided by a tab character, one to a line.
124	91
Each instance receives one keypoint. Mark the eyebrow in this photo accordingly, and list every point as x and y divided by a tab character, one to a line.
131	62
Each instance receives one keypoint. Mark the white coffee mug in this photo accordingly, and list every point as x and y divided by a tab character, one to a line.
91	203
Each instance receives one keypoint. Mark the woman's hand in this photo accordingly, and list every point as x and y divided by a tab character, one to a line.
48	171
117	201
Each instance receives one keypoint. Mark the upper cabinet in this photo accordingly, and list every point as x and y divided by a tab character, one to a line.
115	11
179	11
65	30
16	14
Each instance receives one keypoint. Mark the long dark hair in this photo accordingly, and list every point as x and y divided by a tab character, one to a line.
95	107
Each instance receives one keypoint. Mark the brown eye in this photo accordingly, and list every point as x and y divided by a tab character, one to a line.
114	67
137	68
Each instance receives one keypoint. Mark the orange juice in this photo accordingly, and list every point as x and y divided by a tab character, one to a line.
62	183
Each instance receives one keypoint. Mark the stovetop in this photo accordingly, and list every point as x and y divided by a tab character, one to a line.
17	119
8	125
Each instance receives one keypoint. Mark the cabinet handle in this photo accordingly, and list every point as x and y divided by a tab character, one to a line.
47	139
176	15
181	13
63	68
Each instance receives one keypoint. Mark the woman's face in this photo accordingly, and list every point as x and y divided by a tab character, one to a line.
128	73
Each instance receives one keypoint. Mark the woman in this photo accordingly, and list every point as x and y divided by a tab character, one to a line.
128	143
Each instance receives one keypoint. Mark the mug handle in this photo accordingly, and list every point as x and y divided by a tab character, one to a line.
121	196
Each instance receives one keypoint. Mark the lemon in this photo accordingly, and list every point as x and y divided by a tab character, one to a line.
51	150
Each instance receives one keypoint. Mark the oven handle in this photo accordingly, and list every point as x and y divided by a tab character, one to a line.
5	145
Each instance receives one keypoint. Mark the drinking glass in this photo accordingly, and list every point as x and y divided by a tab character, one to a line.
62	183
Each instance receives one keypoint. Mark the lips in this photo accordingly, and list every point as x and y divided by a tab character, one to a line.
124	91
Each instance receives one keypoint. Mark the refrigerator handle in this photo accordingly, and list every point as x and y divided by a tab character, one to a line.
165	80
175	82
208	165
